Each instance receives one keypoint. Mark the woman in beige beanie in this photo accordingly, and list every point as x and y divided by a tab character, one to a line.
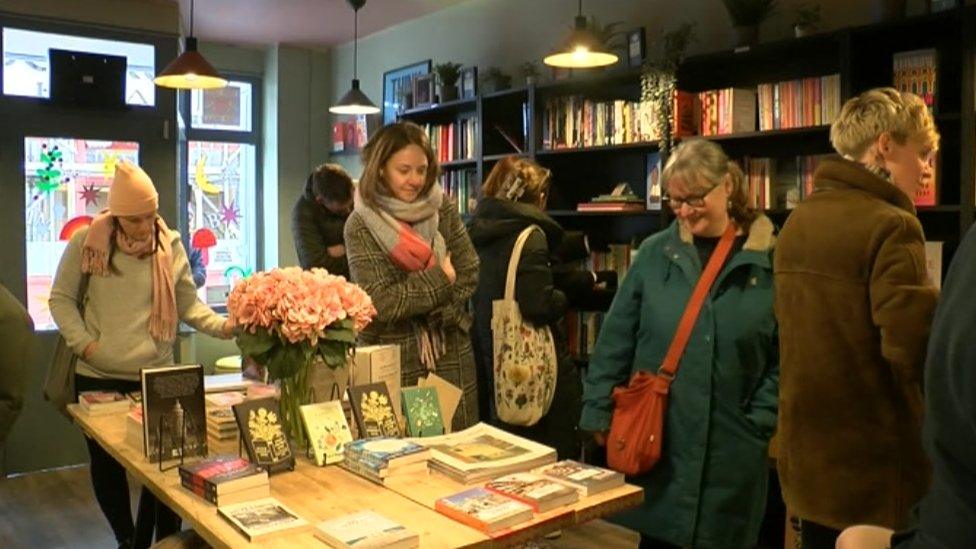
139	287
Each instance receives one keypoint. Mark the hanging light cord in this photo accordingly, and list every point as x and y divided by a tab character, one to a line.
580	12
355	43
191	17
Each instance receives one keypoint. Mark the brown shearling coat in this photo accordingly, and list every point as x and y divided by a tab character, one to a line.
854	307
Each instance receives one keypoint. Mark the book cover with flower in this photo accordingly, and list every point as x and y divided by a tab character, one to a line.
328	432
422	412
264	437
373	410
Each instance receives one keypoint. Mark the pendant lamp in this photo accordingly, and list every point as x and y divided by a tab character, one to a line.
355	101
190	71
581	49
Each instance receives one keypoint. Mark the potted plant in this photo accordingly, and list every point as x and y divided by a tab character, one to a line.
530	71
447	79
806	19
495	80
746	16
659	79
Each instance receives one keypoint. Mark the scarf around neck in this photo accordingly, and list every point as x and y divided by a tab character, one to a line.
95	260
409	233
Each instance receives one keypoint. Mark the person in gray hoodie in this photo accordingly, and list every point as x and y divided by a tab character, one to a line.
139	288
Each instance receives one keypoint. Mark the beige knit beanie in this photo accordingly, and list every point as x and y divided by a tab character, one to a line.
132	191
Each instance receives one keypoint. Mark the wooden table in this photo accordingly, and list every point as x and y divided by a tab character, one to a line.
321	493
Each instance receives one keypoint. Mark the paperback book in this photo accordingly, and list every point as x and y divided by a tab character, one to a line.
225	479
422	412
262	519
481	452
366	529
587	479
264	436
484	510
536	491
97	403
373	410
174	419
328	432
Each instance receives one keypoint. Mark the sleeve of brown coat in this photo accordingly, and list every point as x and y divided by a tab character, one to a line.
395	294
902	303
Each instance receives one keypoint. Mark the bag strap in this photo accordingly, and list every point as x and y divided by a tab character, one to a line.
670	365
514	260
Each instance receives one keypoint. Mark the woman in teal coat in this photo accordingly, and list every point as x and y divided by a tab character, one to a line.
709	487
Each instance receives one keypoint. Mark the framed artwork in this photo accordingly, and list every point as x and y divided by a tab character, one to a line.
423	90
398	89
469	82
636	49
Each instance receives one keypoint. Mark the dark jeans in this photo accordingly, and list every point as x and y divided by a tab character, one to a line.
817	536
112	488
647	542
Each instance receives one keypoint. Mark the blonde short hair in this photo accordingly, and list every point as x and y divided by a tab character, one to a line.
386	142
882	110
517	179
696	161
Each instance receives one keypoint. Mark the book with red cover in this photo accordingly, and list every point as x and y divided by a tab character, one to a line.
221	475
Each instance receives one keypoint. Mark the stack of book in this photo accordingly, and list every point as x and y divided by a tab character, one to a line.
586	479
224	480
799	103
382	458
483	509
538	492
621	199
221	423
366	529
263	519
575	121
133	428
484	452
100	403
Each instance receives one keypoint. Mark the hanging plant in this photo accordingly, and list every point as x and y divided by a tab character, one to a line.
659	80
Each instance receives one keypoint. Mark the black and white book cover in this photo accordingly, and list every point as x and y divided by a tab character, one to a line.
264	435
174	416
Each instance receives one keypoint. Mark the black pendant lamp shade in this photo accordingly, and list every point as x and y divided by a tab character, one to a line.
581	49
190	71
355	101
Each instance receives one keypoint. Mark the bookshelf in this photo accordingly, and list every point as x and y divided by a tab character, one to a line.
513	121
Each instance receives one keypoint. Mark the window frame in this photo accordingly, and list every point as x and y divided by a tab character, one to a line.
253	137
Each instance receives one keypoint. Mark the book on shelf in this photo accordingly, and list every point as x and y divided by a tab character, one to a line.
264	436
225	479
727	111
686	115
779	183
328	432
536	491
933	262
653	181
574	121
422	412
373	409
917	72
453	141
462	186
799	103
587	479
98	403
617	258
481	452
484	510
174	417
611	207
262	519
582	328
366	529
927	192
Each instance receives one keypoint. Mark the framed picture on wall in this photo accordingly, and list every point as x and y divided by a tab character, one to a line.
636	49
398	88
423	90
469	82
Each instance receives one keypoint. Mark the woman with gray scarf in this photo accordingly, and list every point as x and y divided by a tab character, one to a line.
409	250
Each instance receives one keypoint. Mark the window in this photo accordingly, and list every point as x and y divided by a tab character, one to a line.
223	185
66	184
26	63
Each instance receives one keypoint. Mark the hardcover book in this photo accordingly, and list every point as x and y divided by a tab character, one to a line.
366	529
328	432
535	491
422	412
174	420
373	410
588	479
262	519
264	436
484	510
482	451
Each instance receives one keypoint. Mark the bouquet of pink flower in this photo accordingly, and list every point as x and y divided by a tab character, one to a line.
290	317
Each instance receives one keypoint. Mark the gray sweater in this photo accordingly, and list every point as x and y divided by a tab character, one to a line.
117	311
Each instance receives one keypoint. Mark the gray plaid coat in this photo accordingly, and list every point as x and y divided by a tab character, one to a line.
400	297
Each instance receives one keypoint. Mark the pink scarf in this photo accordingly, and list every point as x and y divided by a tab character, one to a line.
95	260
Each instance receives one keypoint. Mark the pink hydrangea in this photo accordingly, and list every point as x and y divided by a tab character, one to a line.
299	305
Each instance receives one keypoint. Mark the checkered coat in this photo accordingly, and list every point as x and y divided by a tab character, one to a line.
401	297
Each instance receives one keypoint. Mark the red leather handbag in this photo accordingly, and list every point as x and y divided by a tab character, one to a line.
637	427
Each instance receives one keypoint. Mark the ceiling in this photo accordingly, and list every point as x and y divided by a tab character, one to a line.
301	22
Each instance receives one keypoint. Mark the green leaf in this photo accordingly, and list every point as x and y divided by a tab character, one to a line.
347	335
334	353
285	361
257	343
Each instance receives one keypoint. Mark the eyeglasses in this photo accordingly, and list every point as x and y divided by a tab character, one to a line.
693	201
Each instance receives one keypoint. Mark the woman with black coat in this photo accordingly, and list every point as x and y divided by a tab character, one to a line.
514	197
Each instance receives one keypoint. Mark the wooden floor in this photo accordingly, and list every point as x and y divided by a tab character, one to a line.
54	509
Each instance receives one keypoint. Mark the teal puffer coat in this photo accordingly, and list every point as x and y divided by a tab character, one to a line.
709	488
